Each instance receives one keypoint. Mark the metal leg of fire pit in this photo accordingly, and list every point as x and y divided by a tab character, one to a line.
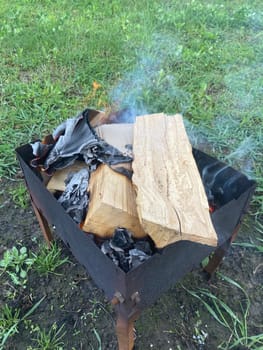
219	254
43	224
216	258
125	331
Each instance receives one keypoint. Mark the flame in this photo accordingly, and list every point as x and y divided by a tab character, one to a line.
95	95
211	208
96	85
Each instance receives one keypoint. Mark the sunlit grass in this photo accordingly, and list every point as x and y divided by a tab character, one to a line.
200	58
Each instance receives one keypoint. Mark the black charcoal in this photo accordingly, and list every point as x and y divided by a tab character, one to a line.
106	248
144	246
138	253
75	197
137	257
124	251
122	239
123	260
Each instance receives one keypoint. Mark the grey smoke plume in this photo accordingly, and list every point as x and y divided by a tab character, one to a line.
149	87
243	156
244	87
235	135
225	140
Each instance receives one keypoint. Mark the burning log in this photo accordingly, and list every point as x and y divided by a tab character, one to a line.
171	200
112	204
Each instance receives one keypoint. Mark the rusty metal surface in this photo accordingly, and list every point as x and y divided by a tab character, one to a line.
163	270
226	219
140	287
103	271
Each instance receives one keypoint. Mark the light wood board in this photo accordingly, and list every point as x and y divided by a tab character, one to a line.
112	204
171	201
119	136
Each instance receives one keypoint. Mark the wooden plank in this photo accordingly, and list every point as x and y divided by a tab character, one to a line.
57	181
171	201
112	204
119	136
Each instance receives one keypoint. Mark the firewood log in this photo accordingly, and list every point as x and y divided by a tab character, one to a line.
171	200
57	181
112	204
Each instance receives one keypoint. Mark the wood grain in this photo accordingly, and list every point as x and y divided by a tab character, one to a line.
112	204
171	201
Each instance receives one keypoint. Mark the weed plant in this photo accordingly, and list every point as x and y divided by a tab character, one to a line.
258	246
235	321
20	196
98	338
48	259
10	320
48	340
257	243
16	263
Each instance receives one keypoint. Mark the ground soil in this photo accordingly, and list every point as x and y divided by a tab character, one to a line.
73	300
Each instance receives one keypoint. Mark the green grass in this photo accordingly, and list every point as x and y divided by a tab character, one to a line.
48	339
201	58
235	321
10	320
48	259
20	195
254	243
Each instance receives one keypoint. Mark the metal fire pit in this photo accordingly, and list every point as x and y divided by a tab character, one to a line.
132	292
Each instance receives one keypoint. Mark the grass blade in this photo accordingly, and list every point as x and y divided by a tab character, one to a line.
6	335
98	338
15	325
33	308
208	307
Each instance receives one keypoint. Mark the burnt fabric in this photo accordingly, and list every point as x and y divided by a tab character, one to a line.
75	138
75	197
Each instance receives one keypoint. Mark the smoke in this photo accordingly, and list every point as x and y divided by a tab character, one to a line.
235	135
245	89
149	87
243	156
226	140
255	20
197	135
